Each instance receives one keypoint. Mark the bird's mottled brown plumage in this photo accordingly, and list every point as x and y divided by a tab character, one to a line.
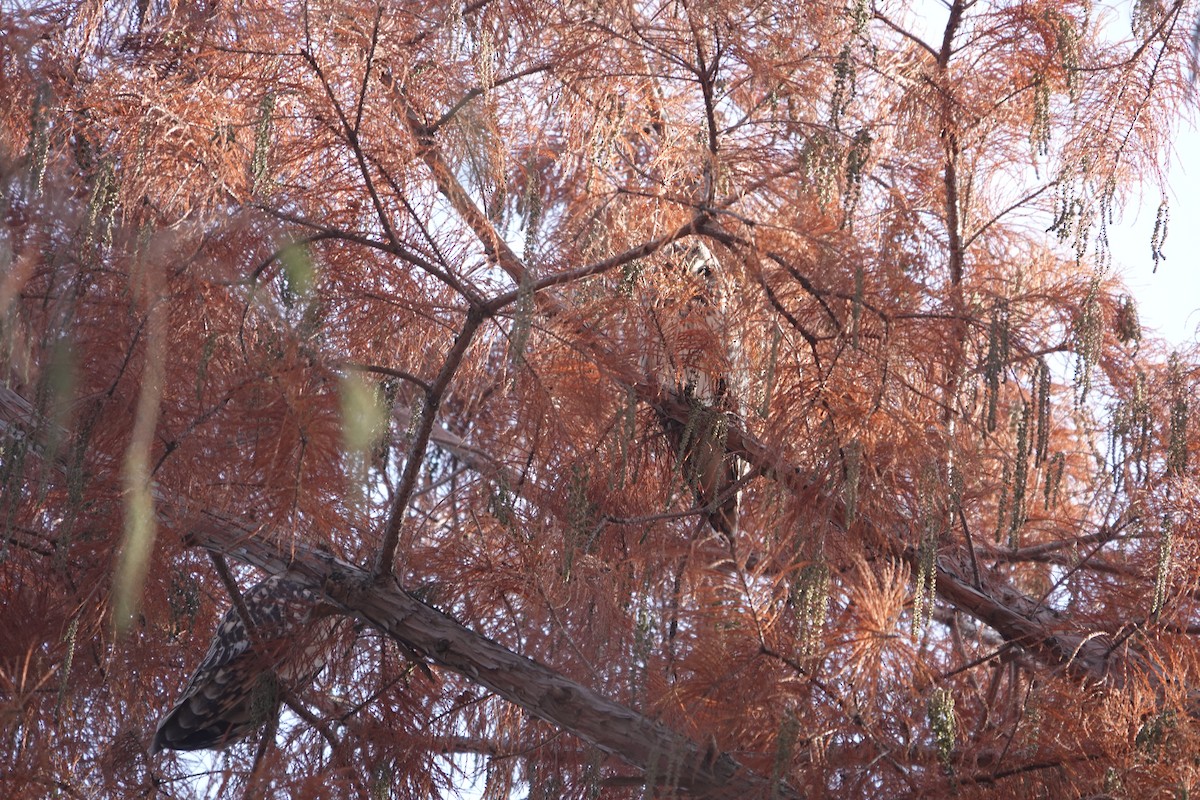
246	673
707	466
700	360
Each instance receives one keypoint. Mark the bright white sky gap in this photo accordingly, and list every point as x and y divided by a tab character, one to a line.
1169	300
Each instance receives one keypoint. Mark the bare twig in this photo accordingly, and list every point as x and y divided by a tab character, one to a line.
416	451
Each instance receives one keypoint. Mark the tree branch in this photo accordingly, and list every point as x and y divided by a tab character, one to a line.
611	727
416	451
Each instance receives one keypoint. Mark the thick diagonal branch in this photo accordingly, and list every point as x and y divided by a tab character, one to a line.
613	728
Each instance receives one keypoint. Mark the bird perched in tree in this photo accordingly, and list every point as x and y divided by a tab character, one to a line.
707	466
249	670
700	362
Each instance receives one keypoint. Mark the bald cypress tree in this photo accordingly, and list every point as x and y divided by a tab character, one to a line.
704	398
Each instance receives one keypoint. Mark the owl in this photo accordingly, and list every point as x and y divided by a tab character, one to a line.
697	353
247	673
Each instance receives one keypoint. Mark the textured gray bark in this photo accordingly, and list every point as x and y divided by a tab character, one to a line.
662	753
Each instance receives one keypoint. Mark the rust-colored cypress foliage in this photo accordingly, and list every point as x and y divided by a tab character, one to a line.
397	299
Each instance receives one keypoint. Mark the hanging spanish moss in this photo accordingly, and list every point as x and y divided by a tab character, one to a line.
70	639
1177	447
996	360
1159	237
1039	123
1162	570
1002	502
943	723
856	163
822	158
844	85
1088	340
1068	45
924	591
767	370
1053	480
531	207
785	744
39	140
1131	430
1041	382
852	454
1016	517
856	307
101	207
260	161
810	598
522	321
1128	326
